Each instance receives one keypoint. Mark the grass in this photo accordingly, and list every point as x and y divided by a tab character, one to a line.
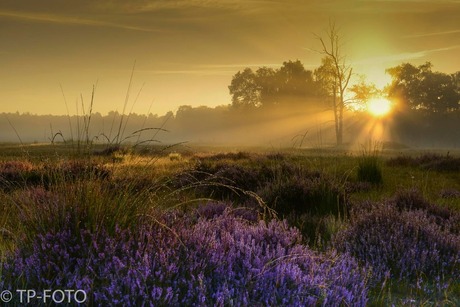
50	188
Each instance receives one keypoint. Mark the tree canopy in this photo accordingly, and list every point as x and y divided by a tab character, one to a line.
420	88
291	83
244	89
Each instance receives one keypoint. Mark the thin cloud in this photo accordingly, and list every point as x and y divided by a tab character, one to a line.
207	69
415	1
211	69
239	6
239	65
141	6
432	34
196	72
400	6
50	18
404	56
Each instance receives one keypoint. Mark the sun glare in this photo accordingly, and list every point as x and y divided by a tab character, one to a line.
379	106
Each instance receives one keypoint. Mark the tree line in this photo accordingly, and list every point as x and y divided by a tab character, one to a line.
416	88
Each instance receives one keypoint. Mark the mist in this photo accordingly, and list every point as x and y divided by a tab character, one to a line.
304	124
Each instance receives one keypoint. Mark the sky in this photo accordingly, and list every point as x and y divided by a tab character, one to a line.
185	52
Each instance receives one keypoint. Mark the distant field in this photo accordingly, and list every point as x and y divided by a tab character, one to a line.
194	224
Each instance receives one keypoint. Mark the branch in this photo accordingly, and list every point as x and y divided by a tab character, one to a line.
348	78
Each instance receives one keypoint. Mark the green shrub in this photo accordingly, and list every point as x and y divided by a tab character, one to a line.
369	170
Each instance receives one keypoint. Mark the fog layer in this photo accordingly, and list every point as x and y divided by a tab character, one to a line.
300	125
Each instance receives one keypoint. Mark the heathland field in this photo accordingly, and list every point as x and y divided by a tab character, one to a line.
197	226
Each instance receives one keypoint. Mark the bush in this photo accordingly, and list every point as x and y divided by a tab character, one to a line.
369	170
240	155
111	150
224	260
428	161
412	199
234	176
449	193
311	194
227	181
80	169
401	161
18	174
221	181
444	164
85	204
307	203
403	242
215	209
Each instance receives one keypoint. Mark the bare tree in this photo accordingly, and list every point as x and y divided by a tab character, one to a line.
340	74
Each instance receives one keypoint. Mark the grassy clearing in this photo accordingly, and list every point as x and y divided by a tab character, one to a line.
148	199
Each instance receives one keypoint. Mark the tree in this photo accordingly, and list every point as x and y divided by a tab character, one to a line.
183	112
269	87
295	83
337	74
456	80
324	78
244	89
421	89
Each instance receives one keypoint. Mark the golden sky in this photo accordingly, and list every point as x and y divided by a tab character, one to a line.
186	51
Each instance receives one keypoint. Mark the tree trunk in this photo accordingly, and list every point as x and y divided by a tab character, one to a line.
340	108
340	124
336	114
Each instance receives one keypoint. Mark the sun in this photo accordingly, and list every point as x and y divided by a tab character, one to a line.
379	106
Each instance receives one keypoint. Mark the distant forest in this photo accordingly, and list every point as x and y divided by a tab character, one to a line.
289	106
